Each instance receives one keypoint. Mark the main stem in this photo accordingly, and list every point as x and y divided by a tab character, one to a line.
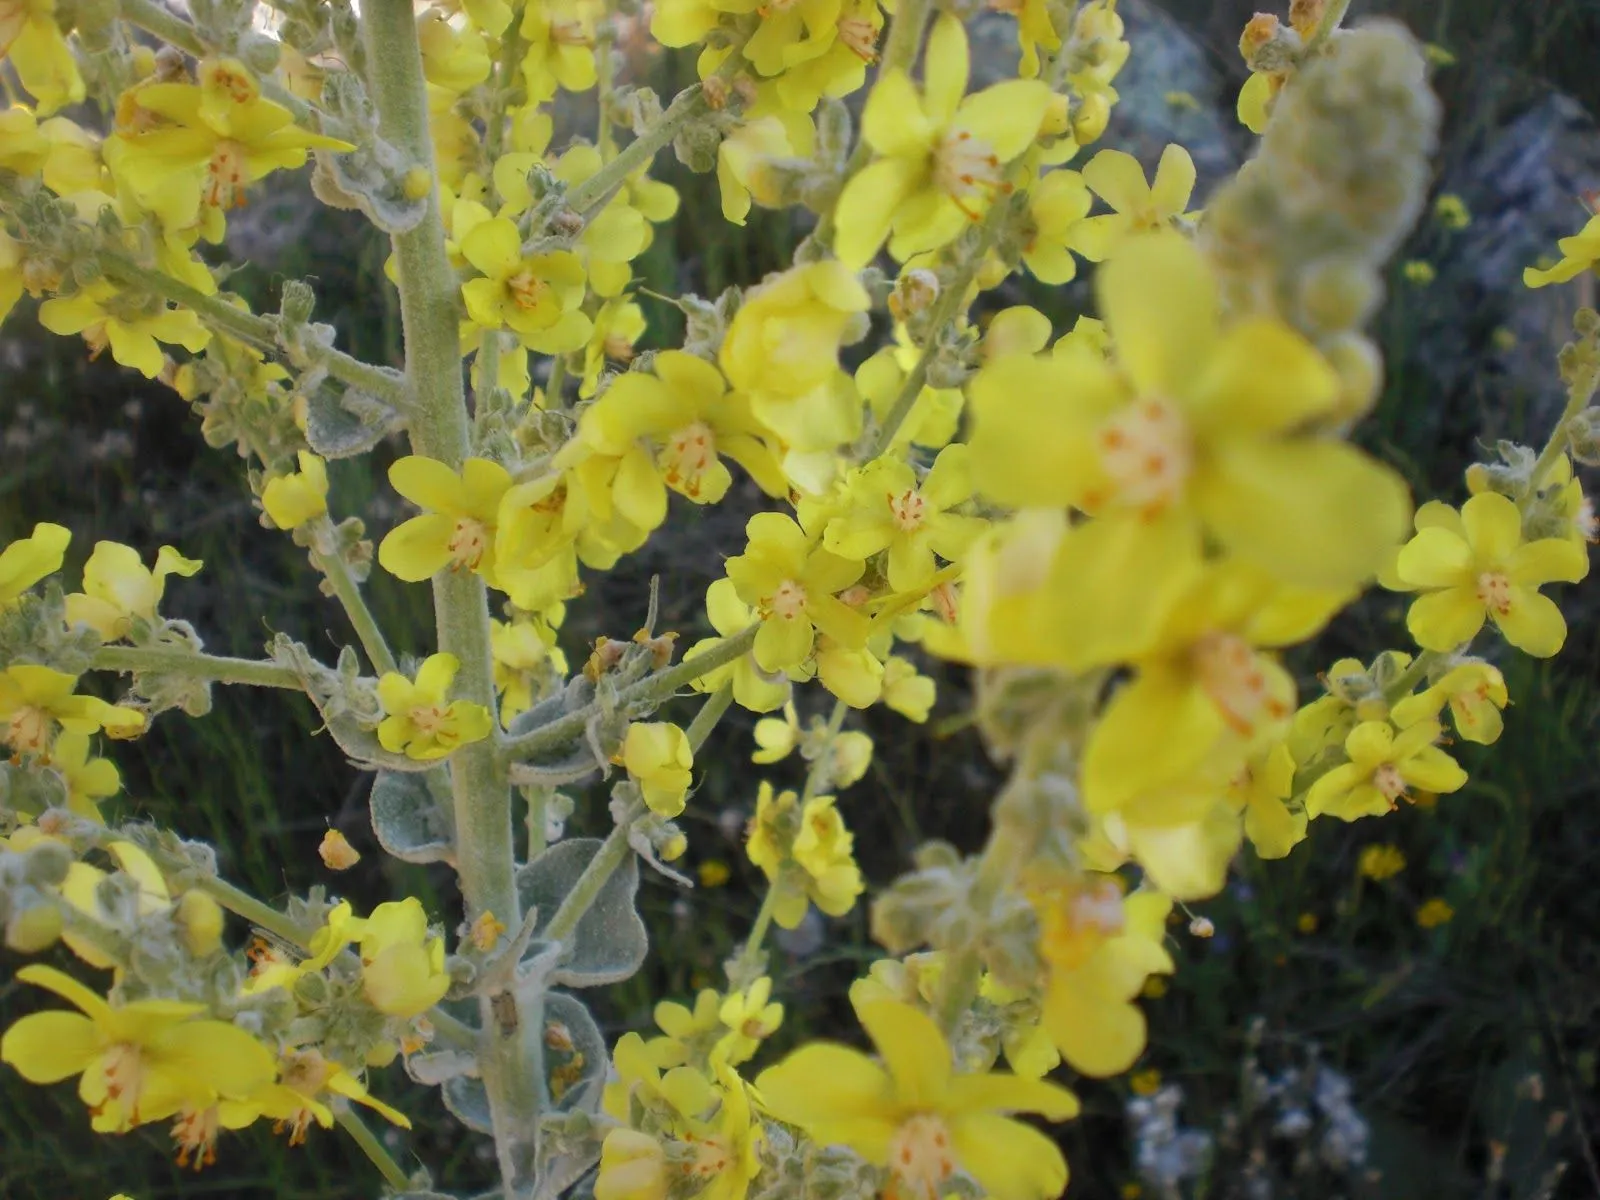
510	1057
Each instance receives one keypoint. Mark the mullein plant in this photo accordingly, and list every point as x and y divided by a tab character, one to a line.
1120	527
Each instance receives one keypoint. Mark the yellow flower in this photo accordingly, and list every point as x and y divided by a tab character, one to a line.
1118	179
1384	765
31	41
561	48
812	837
87	779
714	873
1381	862
1418	272
1145	1083
905	691
293	499
617	326
1450	210
1057	207
118	588
916	1116
520	648
1200	429
1254	106
1579	253
132	329
1475	692
136	1063
891	510
183	148
1434	913
1099	947
458	530
1261	792
27	560
303	1077
453	59
420	721
673	427
782	350
633	1166
1475	564
402	964
941	158
751	1017
658	756
34	700
688	1036
794	589
840	68
536	296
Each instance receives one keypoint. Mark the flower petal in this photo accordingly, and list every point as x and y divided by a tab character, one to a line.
1160	301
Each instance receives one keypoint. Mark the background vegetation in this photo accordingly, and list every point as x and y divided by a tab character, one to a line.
1469	1047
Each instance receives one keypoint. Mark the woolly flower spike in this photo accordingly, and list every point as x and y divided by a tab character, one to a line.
658	756
458	530
136	1063
293	499
1118	179
917	1117
117	588
1383	767
34	700
941	158
28	560
1579	253
420	721
1199	430
1474	565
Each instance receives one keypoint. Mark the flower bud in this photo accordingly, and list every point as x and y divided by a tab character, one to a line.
31	930
914	292
1337	294
1091	119
200	918
1584	435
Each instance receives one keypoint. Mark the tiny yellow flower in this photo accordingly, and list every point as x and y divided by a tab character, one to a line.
941	159
421	722
1381	862
1145	1083
1476	564
1118	179
88	779
1475	692
714	873
336	852
520	648
753	689
27	560
658	756
1384	766
1450	210
1418	272
905	690
1434	913
1057	206
293	499
815	838
457	530
777	737
536	296
915	1115
750	1017
487	931
118	588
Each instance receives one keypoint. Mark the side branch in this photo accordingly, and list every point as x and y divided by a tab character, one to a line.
247	671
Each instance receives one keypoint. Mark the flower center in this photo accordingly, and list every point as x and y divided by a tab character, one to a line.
225	176
788	602
1494	590
29	730
618	348
123	1072
752	1027
968	171
686	457
1230	672
859	37
1075	921
908	510
429	719
468	543
1388	780
528	291
1146	453
920	1157
570	33
712	1156
194	1132
241	89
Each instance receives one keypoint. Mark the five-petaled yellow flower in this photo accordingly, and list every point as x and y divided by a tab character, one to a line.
421	722
458	531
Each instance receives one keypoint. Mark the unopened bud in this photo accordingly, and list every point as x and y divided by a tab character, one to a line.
417	183
336	852
200	917
1584	435
1091	119
1359	365
1201	927
297	302
672	846
34	929
914	292
1338	294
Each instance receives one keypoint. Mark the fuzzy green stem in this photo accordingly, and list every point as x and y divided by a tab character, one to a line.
949	304
348	592
452	1031
1331	17
257	331
393	1174
257	912
758	930
512	1053
606	860
248	671
651	689
710	713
